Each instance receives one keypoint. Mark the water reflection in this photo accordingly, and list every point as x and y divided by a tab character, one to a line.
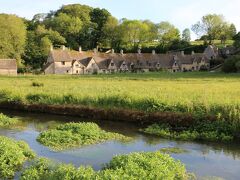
204	159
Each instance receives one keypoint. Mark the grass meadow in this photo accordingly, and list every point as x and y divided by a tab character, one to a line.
197	93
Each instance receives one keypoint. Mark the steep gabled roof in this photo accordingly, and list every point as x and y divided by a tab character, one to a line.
60	55
8	64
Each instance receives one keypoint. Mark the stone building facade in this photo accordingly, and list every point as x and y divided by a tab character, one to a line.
65	61
8	67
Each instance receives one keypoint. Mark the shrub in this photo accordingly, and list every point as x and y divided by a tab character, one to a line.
231	65
77	134
37	84
211	131
6	121
150	165
12	156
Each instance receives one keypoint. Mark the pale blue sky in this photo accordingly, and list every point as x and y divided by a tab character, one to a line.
182	13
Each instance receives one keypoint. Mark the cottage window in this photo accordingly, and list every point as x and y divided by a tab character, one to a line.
77	65
67	71
112	64
63	62
175	64
77	71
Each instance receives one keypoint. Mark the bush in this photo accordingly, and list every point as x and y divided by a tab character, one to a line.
151	165
37	84
77	134
232	65
211	131
6	121
12	156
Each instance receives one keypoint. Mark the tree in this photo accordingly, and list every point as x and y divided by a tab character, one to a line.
69	27
232	31
38	45
186	35
167	33
99	17
213	27
112	35
236	39
12	36
133	33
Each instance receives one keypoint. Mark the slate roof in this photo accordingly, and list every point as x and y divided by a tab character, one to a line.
142	60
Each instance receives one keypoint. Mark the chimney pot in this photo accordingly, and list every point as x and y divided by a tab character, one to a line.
113	51
182	52
193	52
63	47
139	51
51	48
153	52
80	49
95	50
121	52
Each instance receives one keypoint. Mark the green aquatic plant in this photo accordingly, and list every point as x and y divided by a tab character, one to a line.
147	165
6	121
71	135
12	156
173	150
211	131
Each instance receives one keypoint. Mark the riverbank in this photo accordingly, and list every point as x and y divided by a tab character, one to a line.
179	100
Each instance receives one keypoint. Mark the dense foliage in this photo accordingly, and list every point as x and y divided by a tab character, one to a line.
232	65
212	131
152	165
76	134
12	36
12	156
6	121
213	26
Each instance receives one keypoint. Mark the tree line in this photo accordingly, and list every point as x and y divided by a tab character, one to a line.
77	25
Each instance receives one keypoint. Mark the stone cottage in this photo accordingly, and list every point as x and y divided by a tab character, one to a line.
65	61
8	67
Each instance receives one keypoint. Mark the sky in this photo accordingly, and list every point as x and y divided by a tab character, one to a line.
181	13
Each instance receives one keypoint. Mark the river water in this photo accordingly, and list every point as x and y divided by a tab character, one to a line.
206	160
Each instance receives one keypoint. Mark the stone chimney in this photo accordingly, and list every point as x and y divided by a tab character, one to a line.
80	49
63	48
153	52
95	50
51	48
182	53
193	52
139	51
121	52
112	51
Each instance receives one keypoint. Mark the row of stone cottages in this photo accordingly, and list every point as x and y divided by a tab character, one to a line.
65	61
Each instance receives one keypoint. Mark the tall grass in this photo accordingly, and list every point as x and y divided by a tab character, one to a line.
196	93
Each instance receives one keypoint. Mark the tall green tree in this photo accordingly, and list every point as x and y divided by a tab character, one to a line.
68	26
12	36
213	27
186	35
134	32
112	35
99	17
38	45
167	33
